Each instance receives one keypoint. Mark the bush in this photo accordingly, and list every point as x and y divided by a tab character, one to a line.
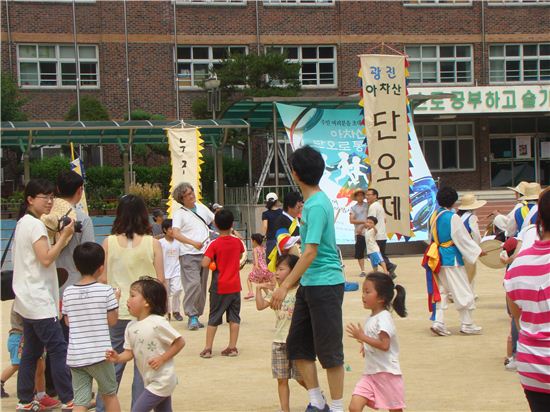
90	109
49	168
235	174
140	114
151	194
11	100
105	182
155	175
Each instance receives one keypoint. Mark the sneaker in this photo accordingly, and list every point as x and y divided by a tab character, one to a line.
193	323
206	353
311	408
511	364
177	316
33	406
392	267
472	329
201	325
3	393
362	275
231	352
440	330
67	407
48	403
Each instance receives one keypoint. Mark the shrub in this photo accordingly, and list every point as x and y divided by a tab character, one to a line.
11	100
90	109
152	194
49	168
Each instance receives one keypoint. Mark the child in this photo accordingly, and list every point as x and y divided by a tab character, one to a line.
156	227
153	343
260	273
282	368
172	271
373	250
381	385
225	288
90	308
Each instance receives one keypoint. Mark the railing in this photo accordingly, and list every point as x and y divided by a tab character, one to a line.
254	195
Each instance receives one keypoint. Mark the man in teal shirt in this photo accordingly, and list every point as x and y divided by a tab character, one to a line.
316	329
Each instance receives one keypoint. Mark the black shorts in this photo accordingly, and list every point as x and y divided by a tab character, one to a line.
360	246
229	304
316	329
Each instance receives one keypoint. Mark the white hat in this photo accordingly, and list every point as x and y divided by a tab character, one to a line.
271	196
216	206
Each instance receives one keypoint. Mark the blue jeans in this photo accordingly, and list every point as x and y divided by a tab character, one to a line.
40	334
150	402
117	342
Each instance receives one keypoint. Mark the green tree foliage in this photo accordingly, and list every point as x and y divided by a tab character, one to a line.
235	174
49	168
90	109
11	100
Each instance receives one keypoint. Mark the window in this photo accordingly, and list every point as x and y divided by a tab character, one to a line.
437	2
55	66
298	2
509	63
196	62
318	63
440	64
518	2
447	147
213	2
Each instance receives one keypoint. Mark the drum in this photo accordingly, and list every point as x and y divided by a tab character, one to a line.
492	248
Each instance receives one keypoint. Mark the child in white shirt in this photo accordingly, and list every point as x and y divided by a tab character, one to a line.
373	250
172	271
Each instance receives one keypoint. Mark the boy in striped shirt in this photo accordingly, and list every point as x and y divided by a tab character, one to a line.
90	308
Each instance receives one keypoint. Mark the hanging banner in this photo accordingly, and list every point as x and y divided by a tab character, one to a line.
337	135
384	101
186	147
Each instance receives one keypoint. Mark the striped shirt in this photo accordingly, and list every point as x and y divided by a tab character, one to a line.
87	307
527	283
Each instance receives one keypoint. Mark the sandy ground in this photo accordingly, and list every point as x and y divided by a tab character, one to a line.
456	373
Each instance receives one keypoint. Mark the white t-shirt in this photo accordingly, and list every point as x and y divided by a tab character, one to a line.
171	258
527	236
149	338
192	227
35	285
376	210
370	240
377	360
87	307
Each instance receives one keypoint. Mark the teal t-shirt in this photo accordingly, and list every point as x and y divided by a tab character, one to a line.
317	227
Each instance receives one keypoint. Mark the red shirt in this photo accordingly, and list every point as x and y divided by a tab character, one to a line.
226	252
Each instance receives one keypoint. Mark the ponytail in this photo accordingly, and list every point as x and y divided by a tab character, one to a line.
398	303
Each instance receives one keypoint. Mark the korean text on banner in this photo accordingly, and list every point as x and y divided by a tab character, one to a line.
385	108
186	157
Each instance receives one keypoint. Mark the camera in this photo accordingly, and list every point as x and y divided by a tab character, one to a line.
65	220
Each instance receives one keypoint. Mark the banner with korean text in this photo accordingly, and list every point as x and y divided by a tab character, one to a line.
384	101
186	147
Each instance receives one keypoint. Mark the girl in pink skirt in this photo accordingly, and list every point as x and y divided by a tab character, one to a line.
381	386
259	273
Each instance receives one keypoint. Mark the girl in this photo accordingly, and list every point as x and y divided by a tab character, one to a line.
282	368
259	273
381	386
153	343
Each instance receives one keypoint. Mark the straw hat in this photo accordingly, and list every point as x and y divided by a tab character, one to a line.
532	191
357	191
520	188
470	202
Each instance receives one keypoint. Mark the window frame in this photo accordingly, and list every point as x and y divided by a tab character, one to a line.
201	3
521	59
437	3
517	3
299	3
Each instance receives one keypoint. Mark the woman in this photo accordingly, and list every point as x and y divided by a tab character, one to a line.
527	285
37	295
130	252
269	217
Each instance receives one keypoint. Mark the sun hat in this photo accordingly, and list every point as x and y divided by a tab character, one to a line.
520	188
271	196
470	202
357	191
532	191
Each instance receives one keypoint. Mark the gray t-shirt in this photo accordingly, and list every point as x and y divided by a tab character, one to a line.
360	212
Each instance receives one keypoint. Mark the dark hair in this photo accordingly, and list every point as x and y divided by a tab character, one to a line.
373	218
257	237
88	257
153	292
308	164
289	259
543	219
384	286
131	217
270	203
34	188
166	224
68	182
292	199
374	191
157	213
224	219
460	212
446	196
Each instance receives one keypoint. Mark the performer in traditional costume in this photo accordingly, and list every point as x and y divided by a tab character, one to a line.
451	244
525	213
509	217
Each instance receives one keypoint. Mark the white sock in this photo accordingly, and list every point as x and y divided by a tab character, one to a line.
316	398
40	395
337	405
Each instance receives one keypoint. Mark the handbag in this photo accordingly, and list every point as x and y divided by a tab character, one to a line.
7	275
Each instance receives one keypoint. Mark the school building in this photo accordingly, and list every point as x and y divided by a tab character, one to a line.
490	57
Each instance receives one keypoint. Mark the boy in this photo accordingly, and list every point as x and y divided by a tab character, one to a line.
156	227
172	271
90	308
373	250
316	329
225	289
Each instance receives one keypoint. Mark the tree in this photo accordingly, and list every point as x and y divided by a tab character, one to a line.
90	109
12	101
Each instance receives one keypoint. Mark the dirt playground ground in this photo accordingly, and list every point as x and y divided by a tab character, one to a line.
456	373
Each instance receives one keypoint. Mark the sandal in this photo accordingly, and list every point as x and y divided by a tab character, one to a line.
206	353
231	352
249	296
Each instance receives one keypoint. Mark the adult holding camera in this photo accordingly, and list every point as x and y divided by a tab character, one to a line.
37	295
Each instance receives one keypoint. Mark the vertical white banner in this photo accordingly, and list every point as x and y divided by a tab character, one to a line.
385	109
186	157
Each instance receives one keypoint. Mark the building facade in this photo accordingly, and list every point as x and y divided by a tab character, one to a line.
491	56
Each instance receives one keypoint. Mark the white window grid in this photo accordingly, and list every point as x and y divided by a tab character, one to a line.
440	137
506	66
438	3
434	76
59	61
520	3
319	79
299	2
187	76
55	1
212	2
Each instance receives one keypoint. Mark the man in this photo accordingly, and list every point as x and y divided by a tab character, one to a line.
377	210
190	223
526	212
357	217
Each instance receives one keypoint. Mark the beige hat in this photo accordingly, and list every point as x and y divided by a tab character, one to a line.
357	191
470	202
532	191
520	188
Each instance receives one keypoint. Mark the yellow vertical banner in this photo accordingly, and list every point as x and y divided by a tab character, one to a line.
384	102
186	147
